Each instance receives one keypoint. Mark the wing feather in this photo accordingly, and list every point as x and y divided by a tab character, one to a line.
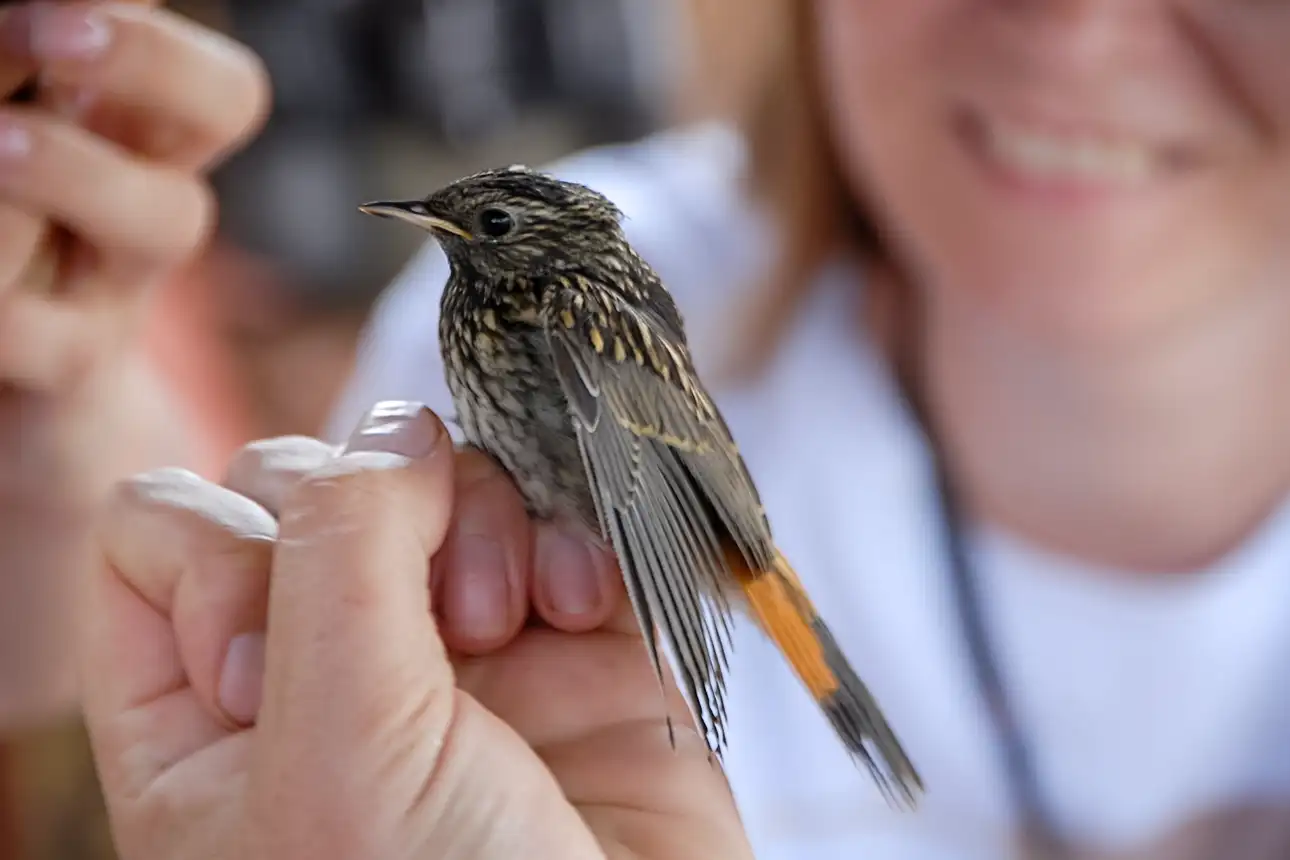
667	484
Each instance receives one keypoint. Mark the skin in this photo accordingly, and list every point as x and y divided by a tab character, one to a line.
1106	364
545	744
116	152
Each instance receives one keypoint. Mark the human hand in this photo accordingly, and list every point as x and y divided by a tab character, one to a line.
261	688
102	188
102	195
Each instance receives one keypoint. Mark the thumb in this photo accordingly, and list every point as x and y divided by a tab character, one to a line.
351	647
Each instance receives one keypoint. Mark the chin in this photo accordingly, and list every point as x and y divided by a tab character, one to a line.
1078	299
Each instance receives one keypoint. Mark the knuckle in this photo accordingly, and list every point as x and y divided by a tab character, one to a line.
190	221
152	815
355	496
46	137
20	234
66	167
352	482
202	210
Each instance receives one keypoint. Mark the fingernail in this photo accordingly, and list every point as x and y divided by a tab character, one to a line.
397	427
569	574
241	683
68	33
15	140
476	592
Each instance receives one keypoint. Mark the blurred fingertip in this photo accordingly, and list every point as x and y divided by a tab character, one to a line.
572	577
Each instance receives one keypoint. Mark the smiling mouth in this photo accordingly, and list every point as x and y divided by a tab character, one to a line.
1070	159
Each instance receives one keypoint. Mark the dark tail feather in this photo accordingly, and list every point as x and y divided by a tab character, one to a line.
857	719
786	614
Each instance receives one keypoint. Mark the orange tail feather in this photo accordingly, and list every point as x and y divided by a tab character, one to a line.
780	604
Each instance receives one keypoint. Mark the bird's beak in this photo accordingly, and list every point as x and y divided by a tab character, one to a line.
413	211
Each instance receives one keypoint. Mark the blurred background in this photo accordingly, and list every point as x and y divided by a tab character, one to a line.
373	98
390	99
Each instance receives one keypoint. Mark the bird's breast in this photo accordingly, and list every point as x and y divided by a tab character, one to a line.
509	403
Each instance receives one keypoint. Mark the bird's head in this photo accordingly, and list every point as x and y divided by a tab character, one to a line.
513	221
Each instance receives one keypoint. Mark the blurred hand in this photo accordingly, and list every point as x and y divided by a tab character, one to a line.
101	186
260	689
102	196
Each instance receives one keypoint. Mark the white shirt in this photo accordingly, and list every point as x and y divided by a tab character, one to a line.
1147	703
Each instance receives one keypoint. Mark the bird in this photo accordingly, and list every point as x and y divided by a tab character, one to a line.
567	362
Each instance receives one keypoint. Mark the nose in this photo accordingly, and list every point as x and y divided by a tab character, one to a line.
1082	32
1085	31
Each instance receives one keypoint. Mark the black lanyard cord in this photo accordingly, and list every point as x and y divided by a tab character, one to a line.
1018	761
1042	837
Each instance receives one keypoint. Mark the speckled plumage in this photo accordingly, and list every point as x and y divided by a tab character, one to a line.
568	362
499	364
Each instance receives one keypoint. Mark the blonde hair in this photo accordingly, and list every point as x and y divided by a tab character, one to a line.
795	172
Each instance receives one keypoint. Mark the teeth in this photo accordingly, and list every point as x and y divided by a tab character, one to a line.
1067	157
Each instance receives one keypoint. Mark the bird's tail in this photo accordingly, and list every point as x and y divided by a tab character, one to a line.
780	604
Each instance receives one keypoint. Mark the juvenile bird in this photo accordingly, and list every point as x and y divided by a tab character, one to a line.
567	361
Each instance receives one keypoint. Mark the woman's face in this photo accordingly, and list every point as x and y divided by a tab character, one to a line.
1089	167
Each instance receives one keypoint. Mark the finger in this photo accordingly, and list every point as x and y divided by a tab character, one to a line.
47	345
93	187
576	582
191	93
20	234
548	707
649	781
18	62
481	592
265	471
349	599
16	68
185	576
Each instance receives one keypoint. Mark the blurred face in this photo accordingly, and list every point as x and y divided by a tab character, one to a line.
1086	167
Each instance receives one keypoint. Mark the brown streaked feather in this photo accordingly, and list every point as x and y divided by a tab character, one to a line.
677	503
638	439
654	392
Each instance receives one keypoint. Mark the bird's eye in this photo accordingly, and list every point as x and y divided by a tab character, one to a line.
496	222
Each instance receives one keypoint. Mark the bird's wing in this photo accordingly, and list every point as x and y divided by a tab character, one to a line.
670	488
